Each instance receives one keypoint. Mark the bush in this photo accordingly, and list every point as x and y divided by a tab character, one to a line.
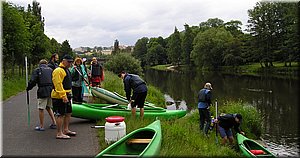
124	62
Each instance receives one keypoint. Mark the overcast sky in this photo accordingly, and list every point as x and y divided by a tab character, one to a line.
100	22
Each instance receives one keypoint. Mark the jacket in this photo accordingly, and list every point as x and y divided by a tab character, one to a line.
77	79
204	98
135	83
228	121
41	76
62	82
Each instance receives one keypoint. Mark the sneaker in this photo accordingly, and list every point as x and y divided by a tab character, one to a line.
38	128
52	126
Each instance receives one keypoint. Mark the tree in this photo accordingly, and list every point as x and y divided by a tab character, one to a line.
140	50
15	37
187	44
116	49
174	47
126	62
211	46
66	49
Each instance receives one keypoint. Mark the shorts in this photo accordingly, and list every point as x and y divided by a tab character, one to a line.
42	103
224	132
61	108
138	99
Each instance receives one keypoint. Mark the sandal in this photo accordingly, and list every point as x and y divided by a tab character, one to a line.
38	128
52	126
63	137
70	133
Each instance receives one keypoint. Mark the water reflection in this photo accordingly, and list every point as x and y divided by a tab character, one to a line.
276	99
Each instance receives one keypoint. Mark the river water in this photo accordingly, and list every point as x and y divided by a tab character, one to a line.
277	100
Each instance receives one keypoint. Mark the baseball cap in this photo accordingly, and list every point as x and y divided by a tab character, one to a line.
68	58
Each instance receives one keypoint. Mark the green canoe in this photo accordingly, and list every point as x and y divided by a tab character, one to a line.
101	111
142	142
251	148
114	98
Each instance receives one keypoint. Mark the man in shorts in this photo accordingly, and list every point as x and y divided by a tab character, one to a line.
42	76
61	98
225	123
139	88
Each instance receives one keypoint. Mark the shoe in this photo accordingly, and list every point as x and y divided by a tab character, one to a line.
63	137
38	128
52	126
70	133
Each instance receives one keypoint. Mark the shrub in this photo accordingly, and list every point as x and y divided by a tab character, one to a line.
124	62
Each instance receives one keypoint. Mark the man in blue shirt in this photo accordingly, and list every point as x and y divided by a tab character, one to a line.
204	101
139	88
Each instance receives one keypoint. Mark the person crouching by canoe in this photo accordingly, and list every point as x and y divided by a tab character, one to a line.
204	101
61	97
78	74
42	76
225	123
139	88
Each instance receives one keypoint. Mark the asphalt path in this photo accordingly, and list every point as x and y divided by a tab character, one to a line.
19	139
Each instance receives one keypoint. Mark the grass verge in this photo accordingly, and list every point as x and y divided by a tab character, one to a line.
12	86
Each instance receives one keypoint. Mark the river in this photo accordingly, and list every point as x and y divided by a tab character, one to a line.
276	99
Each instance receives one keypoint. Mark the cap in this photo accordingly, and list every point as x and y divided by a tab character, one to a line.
67	57
208	85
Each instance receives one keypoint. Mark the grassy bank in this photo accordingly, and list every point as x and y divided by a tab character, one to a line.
12	85
254	69
181	137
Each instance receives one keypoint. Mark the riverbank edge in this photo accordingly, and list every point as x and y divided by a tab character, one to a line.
277	71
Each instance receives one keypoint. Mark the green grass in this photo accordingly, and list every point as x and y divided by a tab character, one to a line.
182	138
12	85
114	84
161	67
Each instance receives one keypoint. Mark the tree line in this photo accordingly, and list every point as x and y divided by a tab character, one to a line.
23	35
271	35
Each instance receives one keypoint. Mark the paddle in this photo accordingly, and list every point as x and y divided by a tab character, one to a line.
84	80
109	106
216	122
27	93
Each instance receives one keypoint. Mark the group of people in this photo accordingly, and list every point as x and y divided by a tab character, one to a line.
224	123
59	83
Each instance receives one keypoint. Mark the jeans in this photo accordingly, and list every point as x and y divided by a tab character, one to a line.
204	117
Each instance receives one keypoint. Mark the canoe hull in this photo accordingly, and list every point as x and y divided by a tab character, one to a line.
122	148
246	144
114	98
98	111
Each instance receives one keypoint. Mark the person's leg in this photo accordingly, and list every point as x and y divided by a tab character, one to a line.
201	113
50	111
230	136
224	140
59	112
207	119
133	111
223	135
141	113
80	94
67	118
41	116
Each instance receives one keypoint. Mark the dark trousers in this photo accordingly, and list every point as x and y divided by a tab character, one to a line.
204	117
77	94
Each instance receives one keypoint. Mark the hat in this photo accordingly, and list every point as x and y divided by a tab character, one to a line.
208	85
67	57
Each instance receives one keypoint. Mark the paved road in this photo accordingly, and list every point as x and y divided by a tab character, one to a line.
19	139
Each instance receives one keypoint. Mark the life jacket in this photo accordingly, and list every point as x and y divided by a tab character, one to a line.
67	82
76	75
202	95
45	76
96	69
135	81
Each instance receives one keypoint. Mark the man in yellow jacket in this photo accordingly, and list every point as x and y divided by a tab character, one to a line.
61	98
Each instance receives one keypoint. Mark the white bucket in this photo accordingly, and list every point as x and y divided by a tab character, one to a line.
114	131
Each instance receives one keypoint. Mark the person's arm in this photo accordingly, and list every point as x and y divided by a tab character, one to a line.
238	129
208	98
33	80
127	88
57	78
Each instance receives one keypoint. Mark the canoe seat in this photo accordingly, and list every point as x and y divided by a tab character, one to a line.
143	141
